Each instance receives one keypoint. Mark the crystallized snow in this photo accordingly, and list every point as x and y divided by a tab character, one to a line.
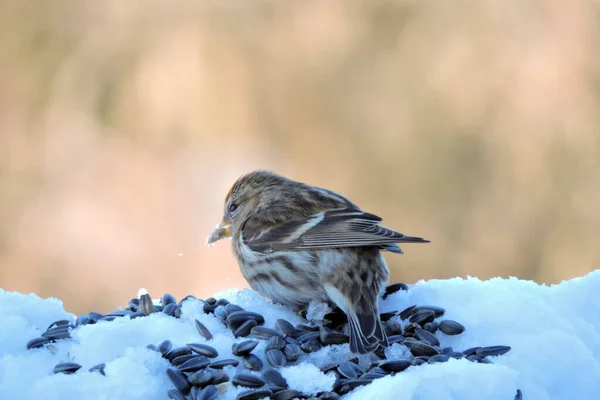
554	333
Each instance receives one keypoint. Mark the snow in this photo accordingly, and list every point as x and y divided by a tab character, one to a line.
553	331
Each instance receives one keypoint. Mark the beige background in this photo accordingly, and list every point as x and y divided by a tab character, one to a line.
123	124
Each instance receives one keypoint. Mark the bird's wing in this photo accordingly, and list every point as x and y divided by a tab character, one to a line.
324	230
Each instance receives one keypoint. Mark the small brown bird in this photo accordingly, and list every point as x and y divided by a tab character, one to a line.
296	243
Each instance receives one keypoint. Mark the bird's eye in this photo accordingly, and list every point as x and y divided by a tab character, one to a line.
233	207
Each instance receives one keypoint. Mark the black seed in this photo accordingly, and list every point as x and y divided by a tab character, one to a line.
404	314
470	351
118	313
168	299
437	311
422	317
237	318
194	364
66	368
519	395
329	396
490	351
99	368
208	393
292	352
220	364
455	354
58	332
417	362
233	308
284	327
254	394
395	365
384	317
170	309
349	370
208	376
308	328
420	348
275	342
247	380
446	350
60	322
252	362
427	337
265	333
243	348
330	337
95	316
203	349
245	329
378	370
309	336
354	383
450	327
275	357
222	302
409	329
393	328
177	352
177	361
165	346
311	346
211	300
175	394
391	289
179	380
37	343
438	358
203	330
395	339
287	394
273	376
146	305
431	327
221	313
424	358
371	376
83	319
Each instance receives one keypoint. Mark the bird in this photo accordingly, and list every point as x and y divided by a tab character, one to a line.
296	243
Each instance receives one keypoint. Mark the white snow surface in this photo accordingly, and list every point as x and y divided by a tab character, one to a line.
554	333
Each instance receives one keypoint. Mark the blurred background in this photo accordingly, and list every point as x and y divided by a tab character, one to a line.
123	124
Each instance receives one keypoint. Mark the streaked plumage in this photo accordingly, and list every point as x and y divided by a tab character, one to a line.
296	243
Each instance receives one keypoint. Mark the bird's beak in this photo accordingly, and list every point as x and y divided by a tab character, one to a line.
221	232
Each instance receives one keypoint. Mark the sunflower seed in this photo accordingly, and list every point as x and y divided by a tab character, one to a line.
437	311
133	304
146	304
37	343
152	347
455	354
354	383
243	348
233	308
177	352
474	358
395	339
329	396
221	313
287	394
422	317
311	346
393	328
384	317
245	329
404	314
254	394
108	318
220	364
309	336
275	342
60	322
165	346
431	327
519	395
237	318
95	316
490	351
292	352
170	309
119	313
175	394
179	380
470	351
168	298
391	289
427	337
397	365
58	332
420	348
194	364
203	330
275	357
252	362
284	327
371	376
450	327
66	368
330	337
262	332
273	376
203	349
438	358
208	376
83	319
208	393
247	380
349	370
177	361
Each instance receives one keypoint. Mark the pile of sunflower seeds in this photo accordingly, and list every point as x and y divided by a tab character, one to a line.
197	372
